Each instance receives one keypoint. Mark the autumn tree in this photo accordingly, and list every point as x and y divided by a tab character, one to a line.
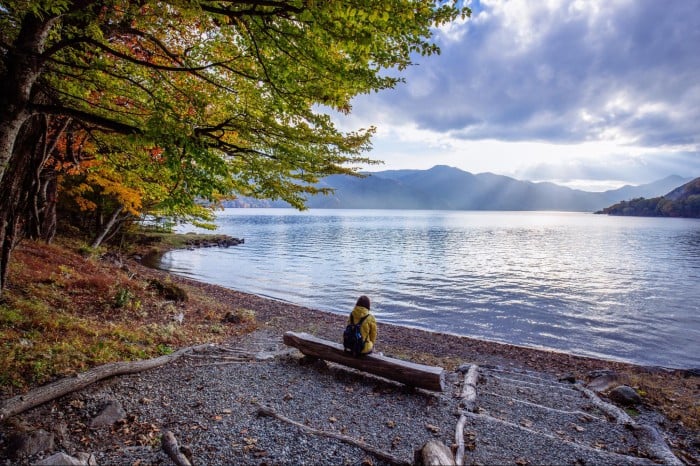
235	93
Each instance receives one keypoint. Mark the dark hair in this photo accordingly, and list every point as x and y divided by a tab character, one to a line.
363	301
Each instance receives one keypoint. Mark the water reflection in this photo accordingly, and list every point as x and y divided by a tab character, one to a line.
624	288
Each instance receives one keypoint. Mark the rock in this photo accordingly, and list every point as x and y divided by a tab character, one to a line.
29	443
87	458
625	395
569	378
464	368
62	459
110	414
603	380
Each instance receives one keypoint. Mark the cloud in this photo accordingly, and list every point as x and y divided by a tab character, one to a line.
557	71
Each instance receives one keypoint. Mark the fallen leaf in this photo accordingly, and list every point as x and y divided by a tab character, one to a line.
226	411
333	419
526	423
77	404
579	428
521	461
432	428
390	424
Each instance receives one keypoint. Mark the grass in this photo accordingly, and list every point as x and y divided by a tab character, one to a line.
65	310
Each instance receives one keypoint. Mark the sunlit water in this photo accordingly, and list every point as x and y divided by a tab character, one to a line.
615	287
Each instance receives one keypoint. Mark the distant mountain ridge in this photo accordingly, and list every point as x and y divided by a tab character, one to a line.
449	188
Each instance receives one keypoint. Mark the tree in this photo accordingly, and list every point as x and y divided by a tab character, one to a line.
233	91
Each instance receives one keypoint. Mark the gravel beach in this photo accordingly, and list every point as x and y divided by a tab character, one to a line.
532	405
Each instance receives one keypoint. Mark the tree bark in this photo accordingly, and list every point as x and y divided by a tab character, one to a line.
409	373
24	63
41	395
17	189
107	227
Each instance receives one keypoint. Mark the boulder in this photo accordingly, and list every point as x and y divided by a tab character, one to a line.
22	444
61	459
625	395
110	414
603	380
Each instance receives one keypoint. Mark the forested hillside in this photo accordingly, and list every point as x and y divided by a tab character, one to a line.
683	201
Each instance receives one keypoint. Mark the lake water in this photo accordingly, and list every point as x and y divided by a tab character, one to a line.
624	288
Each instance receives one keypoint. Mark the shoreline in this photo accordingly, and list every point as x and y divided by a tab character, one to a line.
204	314
672	392
152	262
329	325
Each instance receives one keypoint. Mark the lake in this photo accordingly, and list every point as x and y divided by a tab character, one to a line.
622	288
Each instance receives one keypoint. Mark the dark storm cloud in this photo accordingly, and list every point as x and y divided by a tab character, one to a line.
628	70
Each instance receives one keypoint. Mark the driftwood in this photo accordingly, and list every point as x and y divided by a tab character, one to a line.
172	449
618	457
653	442
434	453
43	394
387	457
468	402
408	373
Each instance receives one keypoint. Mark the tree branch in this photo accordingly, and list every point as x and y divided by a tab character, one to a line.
98	120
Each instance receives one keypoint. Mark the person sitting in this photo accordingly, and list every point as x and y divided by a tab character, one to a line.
368	327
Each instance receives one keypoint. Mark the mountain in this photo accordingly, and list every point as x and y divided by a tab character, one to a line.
449	188
683	201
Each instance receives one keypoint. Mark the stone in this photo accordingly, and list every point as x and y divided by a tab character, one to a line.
568	378
29	443
625	395
61	459
464	368
603	380
88	459
110	414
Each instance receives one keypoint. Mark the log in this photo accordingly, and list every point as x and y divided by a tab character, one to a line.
51	391
384	456
172	449
406	372
434	453
469	403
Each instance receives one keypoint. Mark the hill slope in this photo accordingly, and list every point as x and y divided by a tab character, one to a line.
683	201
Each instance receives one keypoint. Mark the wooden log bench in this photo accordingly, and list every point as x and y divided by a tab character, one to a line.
406	372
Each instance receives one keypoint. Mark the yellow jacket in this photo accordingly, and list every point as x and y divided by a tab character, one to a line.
368	328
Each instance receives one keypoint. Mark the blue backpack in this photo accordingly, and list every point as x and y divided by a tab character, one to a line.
352	337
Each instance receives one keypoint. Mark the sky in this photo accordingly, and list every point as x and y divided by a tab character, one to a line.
585	93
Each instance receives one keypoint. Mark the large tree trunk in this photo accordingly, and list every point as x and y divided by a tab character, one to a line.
23	64
19	187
